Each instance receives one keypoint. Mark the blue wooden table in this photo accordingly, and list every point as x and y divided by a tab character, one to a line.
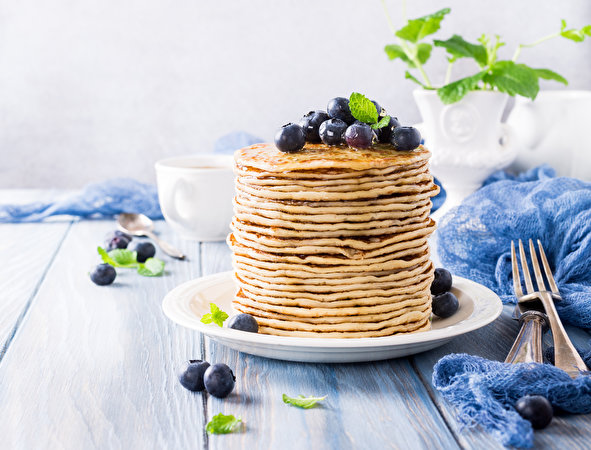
89	367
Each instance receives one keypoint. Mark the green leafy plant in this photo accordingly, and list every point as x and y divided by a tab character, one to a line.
126	259
302	402
221	424
216	316
493	74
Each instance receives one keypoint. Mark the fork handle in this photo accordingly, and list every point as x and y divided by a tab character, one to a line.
566	357
528	344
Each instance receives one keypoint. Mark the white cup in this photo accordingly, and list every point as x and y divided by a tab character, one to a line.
195	195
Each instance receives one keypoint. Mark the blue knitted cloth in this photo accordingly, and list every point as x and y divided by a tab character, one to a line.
96	200
484	393
473	239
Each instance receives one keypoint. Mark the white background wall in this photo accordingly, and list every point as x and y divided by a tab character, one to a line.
98	89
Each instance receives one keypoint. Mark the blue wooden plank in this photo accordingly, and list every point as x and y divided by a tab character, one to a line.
369	405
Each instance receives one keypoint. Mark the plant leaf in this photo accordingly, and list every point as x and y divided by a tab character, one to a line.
105	257
221	424
124	257
548	74
216	316
396	51
513	79
453	92
417	29
302	402
362	108
153	267
457	47
409	76
574	34
384	121
424	52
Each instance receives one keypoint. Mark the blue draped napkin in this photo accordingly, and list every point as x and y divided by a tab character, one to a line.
473	241
104	199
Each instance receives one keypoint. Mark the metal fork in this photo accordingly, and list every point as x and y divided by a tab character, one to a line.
534	323
566	356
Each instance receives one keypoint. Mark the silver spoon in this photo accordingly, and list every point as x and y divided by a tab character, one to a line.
140	225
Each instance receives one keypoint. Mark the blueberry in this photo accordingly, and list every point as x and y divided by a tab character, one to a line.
385	133
244	322
103	274
536	409
191	375
219	380
290	138
442	281
117	240
144	251
359	135
378	108
445	305
338	108
311	122
405	138
332	131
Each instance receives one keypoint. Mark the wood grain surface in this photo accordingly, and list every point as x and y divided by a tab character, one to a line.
94	367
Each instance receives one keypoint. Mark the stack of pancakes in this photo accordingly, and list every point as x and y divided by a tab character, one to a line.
332	241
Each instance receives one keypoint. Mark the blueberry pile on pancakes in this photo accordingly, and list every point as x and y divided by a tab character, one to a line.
331	241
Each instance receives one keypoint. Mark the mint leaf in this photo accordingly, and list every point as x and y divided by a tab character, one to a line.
395	51
216	316
302	402
153	267
423	52
124	257
221	424
362	108
573	34
409	76
548	74
105	257
453	92
384	121
417	29
513	79
458	48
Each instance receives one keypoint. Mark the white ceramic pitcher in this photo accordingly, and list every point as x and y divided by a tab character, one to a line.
467	140
554	129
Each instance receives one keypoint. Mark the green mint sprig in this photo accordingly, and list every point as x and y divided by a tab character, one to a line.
493	74
221	424
365	111
126	259
302	402
216	316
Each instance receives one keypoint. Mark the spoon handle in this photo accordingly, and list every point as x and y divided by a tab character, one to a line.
165	246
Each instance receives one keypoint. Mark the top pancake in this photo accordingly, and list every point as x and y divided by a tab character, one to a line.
267	157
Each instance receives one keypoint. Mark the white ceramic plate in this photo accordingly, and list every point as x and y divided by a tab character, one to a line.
187	303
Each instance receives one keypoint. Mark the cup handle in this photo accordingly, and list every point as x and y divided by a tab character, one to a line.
171	210
507	142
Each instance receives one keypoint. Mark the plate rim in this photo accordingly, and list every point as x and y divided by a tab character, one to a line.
446	333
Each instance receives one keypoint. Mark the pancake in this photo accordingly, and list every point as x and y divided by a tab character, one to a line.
319	156
332	241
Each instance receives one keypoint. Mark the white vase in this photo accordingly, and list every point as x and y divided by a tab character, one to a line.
554	129
467	140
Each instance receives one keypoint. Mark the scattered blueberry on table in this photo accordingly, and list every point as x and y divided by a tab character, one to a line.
355	121
191	375
103	275
144	251
219	380
244	322
535	408
117	239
